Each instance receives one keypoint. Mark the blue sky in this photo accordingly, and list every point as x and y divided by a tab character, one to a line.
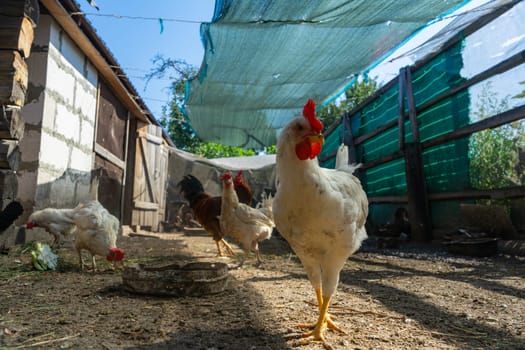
135	42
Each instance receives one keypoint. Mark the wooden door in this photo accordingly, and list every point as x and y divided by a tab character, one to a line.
149	188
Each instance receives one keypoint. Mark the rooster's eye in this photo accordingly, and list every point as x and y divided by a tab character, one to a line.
300	127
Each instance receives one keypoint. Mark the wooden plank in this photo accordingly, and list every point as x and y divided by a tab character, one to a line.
503	193
12	123
124	174
499	193
16	33
145	205
151	138
101	151
489	123
18	8
13	78
387	199
147	169
418	203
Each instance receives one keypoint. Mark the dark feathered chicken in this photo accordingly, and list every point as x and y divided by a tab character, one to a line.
206	209
10	213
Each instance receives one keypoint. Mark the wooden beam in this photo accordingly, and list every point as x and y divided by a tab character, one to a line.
387	199
151	138
77	35
145	205
16	32
489	123
104	153
502	193
13	78
147	168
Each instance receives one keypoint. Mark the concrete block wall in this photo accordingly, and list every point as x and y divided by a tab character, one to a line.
57	150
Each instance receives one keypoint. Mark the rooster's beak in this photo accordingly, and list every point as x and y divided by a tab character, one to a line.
319	138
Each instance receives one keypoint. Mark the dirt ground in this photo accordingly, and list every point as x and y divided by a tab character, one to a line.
413	298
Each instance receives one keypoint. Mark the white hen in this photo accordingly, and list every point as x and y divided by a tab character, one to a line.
247	225
320	212
58	222
97	232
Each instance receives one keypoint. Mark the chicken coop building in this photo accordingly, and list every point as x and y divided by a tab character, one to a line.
76	128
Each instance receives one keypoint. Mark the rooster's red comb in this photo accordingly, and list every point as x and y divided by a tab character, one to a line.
116	254
309	113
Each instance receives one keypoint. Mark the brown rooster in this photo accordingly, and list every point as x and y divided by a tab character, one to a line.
244	192
206	209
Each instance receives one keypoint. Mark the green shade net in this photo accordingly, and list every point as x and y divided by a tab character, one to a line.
446	165
264	59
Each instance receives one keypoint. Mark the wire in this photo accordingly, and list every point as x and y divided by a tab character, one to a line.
136	17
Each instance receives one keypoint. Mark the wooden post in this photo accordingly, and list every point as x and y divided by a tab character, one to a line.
418	204
348	139
411	105
401	109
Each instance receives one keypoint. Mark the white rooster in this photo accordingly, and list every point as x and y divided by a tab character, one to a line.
97	232
247	225
58	222
320	212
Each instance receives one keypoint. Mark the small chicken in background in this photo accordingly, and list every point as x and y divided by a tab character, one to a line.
207	209
57	222
402	224
390	235
97	232
243	190
265	205
320	212
247	225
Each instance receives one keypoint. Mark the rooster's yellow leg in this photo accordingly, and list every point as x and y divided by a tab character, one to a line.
328	319
319	327
229	249
319	295
219	251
